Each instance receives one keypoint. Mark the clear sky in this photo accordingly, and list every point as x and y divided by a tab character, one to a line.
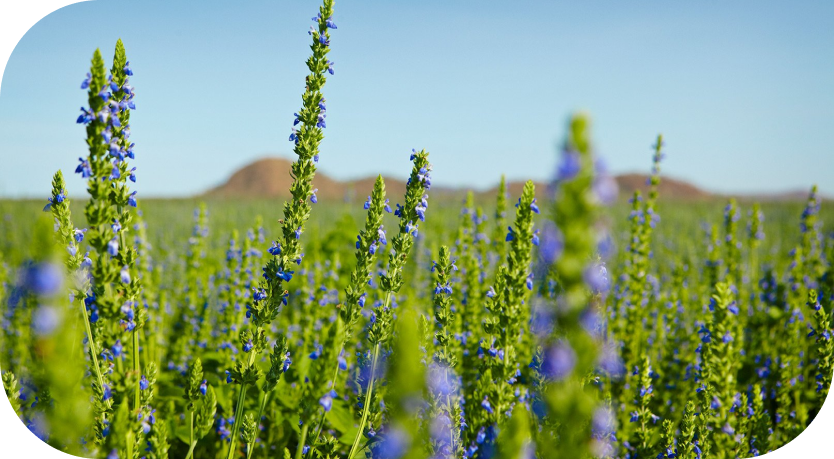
741	90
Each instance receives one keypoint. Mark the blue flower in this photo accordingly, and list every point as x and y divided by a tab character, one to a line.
131	199
330	67
387	207
275	250
313	198
534	207
510	234
86	83
248	346
287	363
144	383
124	275
536	238
486	405
115	174
86	116
324	40
447	289
558	361
107	392
491	292
421	212
329	23
133	175
84	168
127	69
297	232
316	352
342	362
117	348
204	387
44	320
367	204
380	233
569	167
529	282
361	301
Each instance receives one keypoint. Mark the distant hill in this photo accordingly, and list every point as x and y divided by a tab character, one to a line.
270	177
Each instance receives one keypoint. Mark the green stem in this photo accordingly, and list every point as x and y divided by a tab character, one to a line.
301	440
239	412
324	413
367	406
191	450
264	397
191	435
136	398
91	344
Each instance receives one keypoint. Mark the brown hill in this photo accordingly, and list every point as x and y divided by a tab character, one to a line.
270	177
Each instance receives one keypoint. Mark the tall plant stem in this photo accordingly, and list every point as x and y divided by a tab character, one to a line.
368	397
239	412
91	344
367	406
191	441
324	413
303	438
136	369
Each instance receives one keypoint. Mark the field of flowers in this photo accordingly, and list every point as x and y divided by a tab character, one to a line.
562	323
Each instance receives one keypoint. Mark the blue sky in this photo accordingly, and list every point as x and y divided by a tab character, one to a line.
741	90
